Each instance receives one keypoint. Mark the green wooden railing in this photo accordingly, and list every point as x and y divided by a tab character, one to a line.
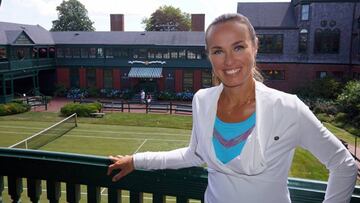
76	170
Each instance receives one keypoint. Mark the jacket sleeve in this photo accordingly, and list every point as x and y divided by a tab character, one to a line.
178	158
331	152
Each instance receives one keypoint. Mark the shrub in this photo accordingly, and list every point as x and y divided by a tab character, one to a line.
166	95
82	110
326	88
60	90
349	102
13	108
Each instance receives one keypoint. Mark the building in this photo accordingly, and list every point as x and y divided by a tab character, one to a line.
299	41
302	40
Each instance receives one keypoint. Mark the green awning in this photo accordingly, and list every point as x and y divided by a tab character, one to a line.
144	72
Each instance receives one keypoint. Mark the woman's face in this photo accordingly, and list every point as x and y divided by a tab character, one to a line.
231	53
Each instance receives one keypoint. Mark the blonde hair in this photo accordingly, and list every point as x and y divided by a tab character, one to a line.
241	19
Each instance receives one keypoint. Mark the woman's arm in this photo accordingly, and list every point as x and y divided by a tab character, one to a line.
331	152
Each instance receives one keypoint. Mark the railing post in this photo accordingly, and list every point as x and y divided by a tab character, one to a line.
1	188
136	197
93	194
34	189
53	190
15	188
170	107
355	145
122	106
114	195
146	106
73	192
159	198
181	199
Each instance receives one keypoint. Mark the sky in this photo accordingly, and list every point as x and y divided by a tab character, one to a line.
43	12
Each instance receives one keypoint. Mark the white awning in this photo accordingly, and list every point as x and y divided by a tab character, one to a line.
144	72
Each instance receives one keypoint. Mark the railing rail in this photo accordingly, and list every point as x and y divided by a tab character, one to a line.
76	170
128	106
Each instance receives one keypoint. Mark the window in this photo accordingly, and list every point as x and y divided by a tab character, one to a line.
206	76
151	54
74	78
76	52
35	53
356	76
327	41
303	40
20	53
139	53
182	54
84	52
52	52
191	54
67	53
3	54
109	53
91	77
43	53
158	54
108	79
59	53
270	43
169	81
100	53
166	54
188	80
321	74
174	54
274	74
92	53
305	12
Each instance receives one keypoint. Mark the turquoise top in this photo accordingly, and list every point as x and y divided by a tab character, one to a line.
231	137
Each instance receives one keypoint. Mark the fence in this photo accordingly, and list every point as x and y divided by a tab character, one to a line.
75	170
128	106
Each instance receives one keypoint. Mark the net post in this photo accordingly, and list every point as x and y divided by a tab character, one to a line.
76	125
26	144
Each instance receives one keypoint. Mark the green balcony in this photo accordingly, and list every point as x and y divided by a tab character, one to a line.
79	171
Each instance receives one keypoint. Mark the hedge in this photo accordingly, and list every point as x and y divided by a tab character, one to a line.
82	110
13	108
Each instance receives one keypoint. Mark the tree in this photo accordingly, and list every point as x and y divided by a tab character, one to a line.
168	18
349	102
72	16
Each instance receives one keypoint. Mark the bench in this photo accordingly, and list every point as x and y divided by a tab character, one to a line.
97	115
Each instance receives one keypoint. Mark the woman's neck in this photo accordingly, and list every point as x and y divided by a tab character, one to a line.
240	94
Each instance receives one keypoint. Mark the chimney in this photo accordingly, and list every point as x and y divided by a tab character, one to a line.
198	22
116	22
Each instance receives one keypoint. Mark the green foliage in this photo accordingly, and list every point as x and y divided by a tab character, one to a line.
349	102
60	90
82	110
168	18
166	95
325	88
13	108
72	16
93	92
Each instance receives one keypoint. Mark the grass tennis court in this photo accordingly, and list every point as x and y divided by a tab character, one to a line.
122	133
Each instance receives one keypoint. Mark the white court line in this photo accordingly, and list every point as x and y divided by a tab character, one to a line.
114	132
102	191
124	138
140	146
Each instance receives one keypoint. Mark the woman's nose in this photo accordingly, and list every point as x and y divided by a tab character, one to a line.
229	59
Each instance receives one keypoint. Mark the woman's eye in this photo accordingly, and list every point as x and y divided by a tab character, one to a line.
238	48
216	52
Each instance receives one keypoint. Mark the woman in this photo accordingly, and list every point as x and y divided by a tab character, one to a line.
253	131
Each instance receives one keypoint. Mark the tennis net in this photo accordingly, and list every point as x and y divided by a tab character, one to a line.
49	134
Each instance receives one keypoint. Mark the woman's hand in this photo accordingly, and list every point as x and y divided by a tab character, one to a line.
124	163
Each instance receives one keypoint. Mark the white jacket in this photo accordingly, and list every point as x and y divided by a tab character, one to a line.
259	174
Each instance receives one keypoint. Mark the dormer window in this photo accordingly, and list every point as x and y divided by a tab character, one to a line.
305	11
